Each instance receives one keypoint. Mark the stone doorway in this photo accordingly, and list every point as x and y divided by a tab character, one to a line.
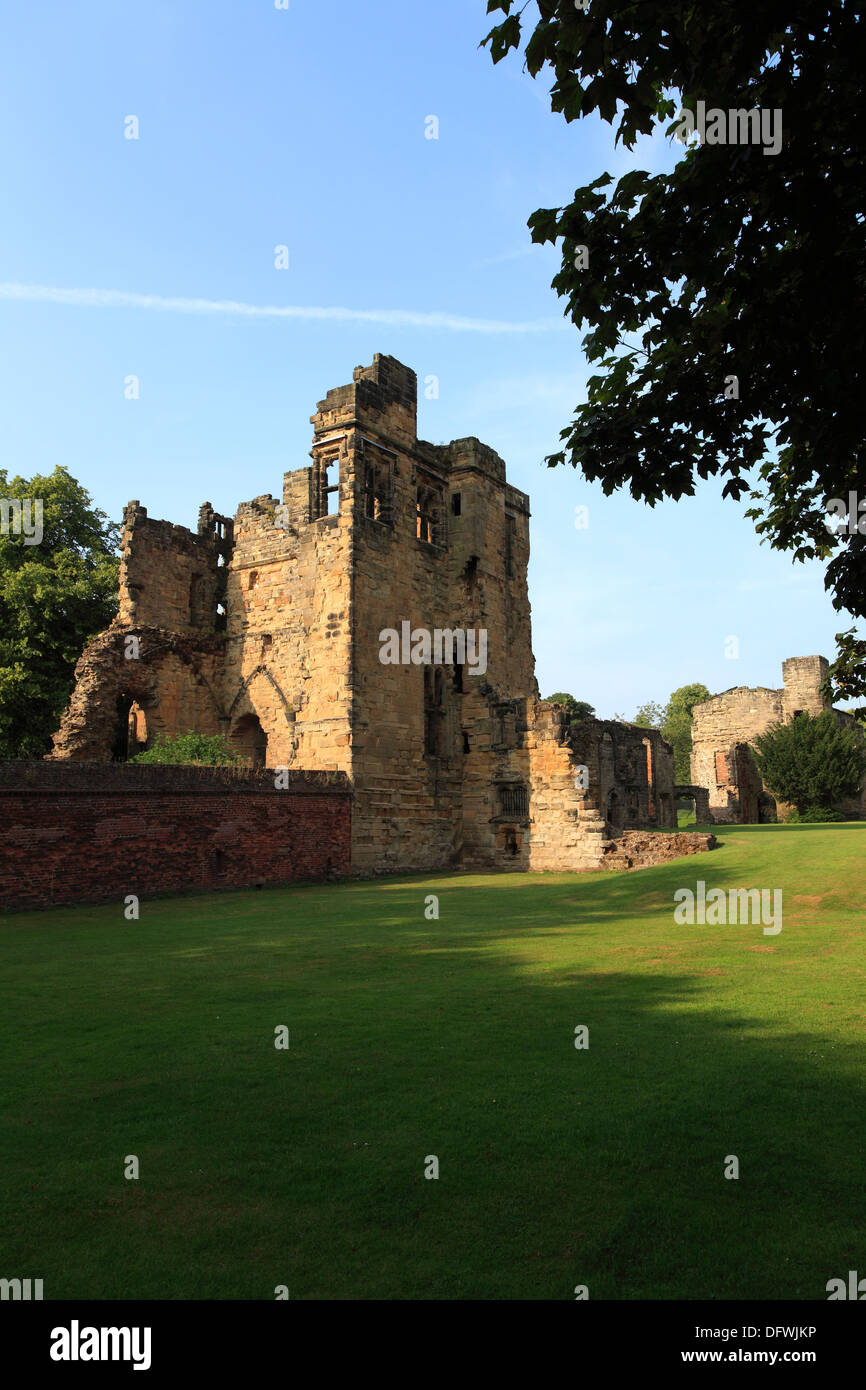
130	732
249	740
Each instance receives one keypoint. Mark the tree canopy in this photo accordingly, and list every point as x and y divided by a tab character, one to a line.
674	723
55	594
576	709
649	715
676	726
723	299
812	761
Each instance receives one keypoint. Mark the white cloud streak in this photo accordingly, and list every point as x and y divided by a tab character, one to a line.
393	318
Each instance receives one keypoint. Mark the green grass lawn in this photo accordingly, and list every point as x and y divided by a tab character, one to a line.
412	1037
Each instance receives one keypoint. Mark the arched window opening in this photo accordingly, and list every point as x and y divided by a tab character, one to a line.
130	730
377	501
137	733
120	746
428	515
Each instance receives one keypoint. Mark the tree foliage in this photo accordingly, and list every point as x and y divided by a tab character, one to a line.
813	761
54	596
199	750
575	709
674	723
676	726
649	715
737	263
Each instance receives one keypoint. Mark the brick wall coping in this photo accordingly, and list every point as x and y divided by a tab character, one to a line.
54	777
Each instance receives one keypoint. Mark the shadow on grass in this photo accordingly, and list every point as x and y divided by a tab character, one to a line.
452	1037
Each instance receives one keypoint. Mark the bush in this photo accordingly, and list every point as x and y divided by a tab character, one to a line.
812	762
198	750
813	814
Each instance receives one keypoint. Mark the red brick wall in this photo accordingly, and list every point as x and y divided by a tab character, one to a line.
162	833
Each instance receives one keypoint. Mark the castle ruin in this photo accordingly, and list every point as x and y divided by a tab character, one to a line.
724	730
270	628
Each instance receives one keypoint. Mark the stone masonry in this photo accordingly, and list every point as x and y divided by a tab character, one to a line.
269	627
725	728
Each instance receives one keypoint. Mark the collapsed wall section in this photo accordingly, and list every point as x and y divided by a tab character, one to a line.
592	780
157	668
128	693
169	575
287	666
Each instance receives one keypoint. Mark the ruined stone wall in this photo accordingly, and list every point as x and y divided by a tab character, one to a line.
629	776
724	730
737	716
567	829
164	649
175	680
699	798
640	849
78	833
168	575
287	658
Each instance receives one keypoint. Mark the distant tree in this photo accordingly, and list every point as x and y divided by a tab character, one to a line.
576	709
676	726
649	716
812	761
198	750
56	592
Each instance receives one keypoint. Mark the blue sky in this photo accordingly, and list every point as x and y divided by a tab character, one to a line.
305	127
